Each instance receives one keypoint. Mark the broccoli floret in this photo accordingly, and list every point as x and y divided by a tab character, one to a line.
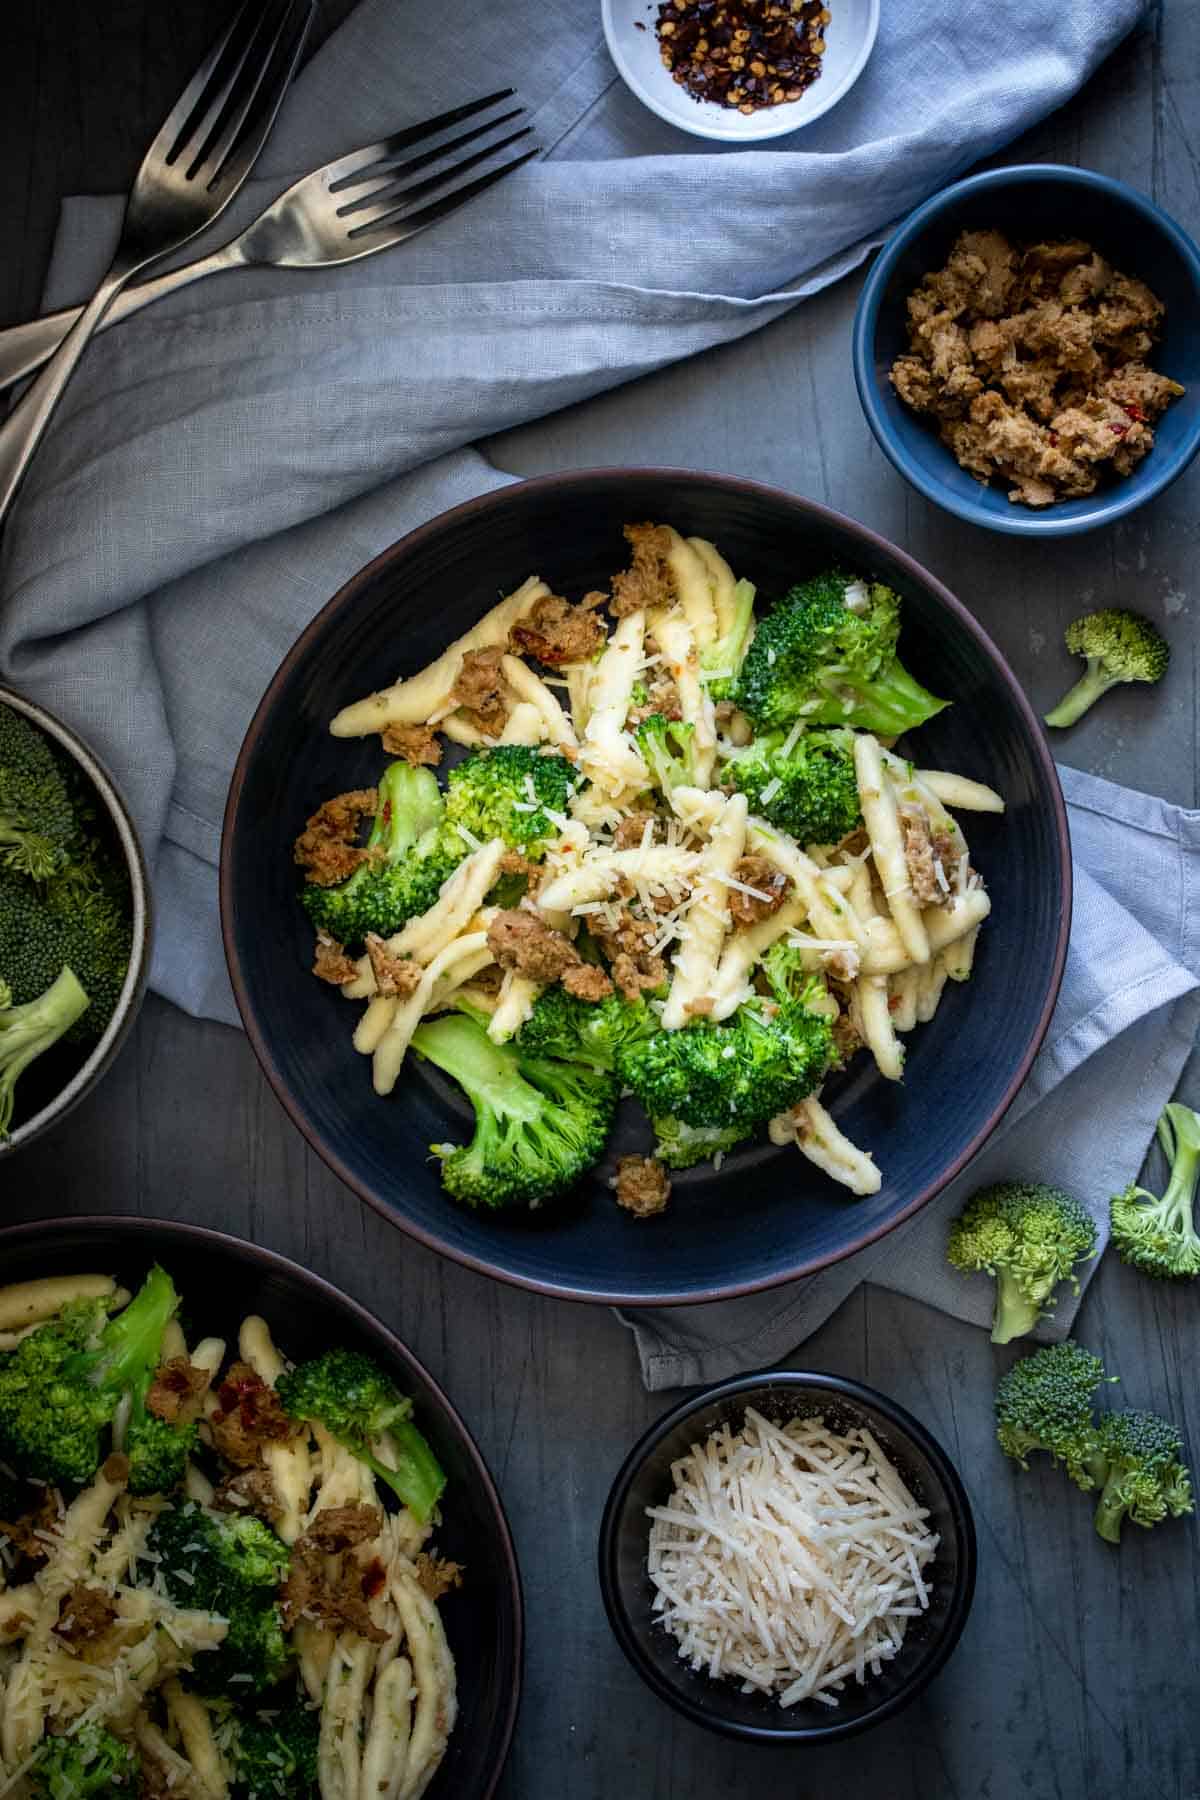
232	1565
811	793
668	751
682	1146
1118	646
363	1408
539	1124
413	858
583	1031
1135	1462
827	654
508	792
276	1755
1159	1236
1029	1236
721	661
38	826
735	1074
61	1387
1045	1403
87	1764
27	1031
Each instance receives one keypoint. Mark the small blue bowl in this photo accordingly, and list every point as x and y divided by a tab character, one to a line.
1028	202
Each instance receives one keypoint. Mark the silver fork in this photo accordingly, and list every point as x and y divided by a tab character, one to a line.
206	147
364	202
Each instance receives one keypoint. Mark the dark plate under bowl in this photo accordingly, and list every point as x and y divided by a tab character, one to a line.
221	1279
768	1215
645	1480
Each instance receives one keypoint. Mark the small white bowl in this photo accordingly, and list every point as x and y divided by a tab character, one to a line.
849	39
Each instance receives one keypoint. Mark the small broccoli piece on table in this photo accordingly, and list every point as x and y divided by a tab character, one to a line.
408	862
721	661
38	824
509	792
682	1146
811	792
364	1410
231	1565
734	1075
1136	1465
1158	1236
1045	1403
1029	1237
87	1764
585	1031
276	1755
668	751
539	1124
1118	646
827	654
61	1386
28	1031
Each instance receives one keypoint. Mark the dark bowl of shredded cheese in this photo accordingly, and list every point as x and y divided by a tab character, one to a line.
740	70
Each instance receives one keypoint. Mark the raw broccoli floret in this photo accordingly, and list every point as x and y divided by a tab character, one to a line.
230	1564
827	654
61	1386
682	1146
276	1755
583	1031
539	1124
1136	1465
1029	1237
1118	646
1158	1236
27	1031
721	661
1045	1403
364	1409
38	826
735	1074
811	793
403	878
86	1764
508	792
668	750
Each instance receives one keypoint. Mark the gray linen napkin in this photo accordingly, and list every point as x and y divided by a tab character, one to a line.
1125	1022
224	461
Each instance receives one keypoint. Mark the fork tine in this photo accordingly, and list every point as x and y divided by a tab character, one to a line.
195	95
384	177
399	229
245	125
241	75
370	154
395	199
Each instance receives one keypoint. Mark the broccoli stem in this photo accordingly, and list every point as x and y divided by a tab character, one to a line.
1094	682
1179	1135
416	1476
891	703
1014	1316
26	1031
128	1353
1110	1509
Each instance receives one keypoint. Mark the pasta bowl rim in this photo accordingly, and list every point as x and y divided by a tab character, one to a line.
905	1428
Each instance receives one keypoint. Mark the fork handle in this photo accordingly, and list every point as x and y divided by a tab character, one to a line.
24	348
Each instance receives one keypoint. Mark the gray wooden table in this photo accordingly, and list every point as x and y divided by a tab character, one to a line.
1077	1675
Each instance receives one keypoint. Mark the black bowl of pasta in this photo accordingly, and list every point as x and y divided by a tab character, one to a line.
283	1623
961	818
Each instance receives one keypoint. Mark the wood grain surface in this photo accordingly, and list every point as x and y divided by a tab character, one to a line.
1077	1675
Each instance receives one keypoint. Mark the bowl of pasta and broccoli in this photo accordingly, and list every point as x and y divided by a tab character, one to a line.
645	886
248	1546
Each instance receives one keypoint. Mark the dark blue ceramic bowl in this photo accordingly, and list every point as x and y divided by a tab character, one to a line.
1029	202
768	1215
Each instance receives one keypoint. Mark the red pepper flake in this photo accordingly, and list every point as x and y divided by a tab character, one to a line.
1135	413
747	54
373	1578
1118	430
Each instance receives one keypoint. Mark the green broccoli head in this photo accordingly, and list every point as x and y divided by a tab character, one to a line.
363	1408
668	750
410	860
276	1754
61	1386
231	1565
811	792
1158	1235
86	1764
721	661
38	825
158	1451
584	1031
539	1124
1029	1237
511	792
682	1146
827	654
735	1074
1045	1403
1136	1464
1118	646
